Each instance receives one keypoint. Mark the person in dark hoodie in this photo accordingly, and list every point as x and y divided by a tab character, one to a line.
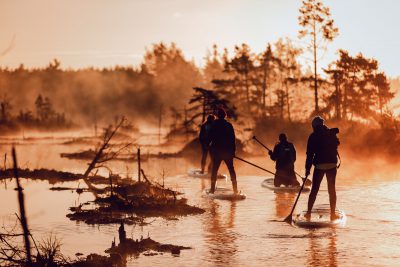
322	152
204	138
222	148
284	154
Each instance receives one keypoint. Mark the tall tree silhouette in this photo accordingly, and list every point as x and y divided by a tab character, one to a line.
235	82
5	108
205	102
289	68
317	25
267	65
173	73
361	89
242	66
213	68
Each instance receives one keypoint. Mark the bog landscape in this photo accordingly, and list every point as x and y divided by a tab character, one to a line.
199	133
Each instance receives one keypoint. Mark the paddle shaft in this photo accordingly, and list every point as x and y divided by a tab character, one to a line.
258	141
261	168
289	217
252	164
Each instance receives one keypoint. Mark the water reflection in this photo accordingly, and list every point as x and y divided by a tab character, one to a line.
228	233
283	203
323	251
220	235
5	183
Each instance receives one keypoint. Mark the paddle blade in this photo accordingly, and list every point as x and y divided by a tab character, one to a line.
288	219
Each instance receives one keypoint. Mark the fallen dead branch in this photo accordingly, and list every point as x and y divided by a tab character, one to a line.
143	199
54	176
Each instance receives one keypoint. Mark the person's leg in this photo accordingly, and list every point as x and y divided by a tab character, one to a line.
232	173
204	152
331	178
288	176
216	161
278	179
316	182
209	168
293	179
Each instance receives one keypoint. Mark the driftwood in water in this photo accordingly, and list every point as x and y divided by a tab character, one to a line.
143	199
135	247
126	248
23	220
56	176
103	155
90	153
99	216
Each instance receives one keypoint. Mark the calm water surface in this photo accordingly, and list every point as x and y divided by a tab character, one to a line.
244	233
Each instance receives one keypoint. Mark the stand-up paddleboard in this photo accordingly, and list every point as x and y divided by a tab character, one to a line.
197	174
269	183
223	194
320	217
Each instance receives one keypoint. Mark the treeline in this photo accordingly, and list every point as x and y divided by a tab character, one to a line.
92	95
269	84
274	85
44	116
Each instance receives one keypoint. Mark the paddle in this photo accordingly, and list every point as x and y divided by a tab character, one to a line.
289	219
252	164
258	141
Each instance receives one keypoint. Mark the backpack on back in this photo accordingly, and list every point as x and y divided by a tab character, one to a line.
330	140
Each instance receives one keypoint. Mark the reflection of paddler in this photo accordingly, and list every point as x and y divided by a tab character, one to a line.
220	240
232	213
283	203
321	255
332	249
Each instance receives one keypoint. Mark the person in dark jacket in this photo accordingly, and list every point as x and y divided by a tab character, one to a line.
204	138
323	154
284	154
222	148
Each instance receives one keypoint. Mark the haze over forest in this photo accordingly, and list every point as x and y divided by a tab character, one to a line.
104	139
258	86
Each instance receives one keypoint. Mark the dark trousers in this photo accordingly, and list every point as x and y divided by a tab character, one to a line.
204	151
318	175
217	158
286	177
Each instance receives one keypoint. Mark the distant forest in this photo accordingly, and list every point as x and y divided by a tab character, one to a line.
271	85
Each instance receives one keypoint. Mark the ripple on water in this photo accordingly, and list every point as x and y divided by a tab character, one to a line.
244	233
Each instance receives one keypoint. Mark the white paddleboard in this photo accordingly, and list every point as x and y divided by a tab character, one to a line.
320	218
196	173
223	194
269	183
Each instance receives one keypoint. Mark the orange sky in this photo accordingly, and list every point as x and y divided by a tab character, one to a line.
104	33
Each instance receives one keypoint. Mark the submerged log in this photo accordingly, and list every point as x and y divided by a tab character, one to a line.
135	247
141	198
98	217
56	176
